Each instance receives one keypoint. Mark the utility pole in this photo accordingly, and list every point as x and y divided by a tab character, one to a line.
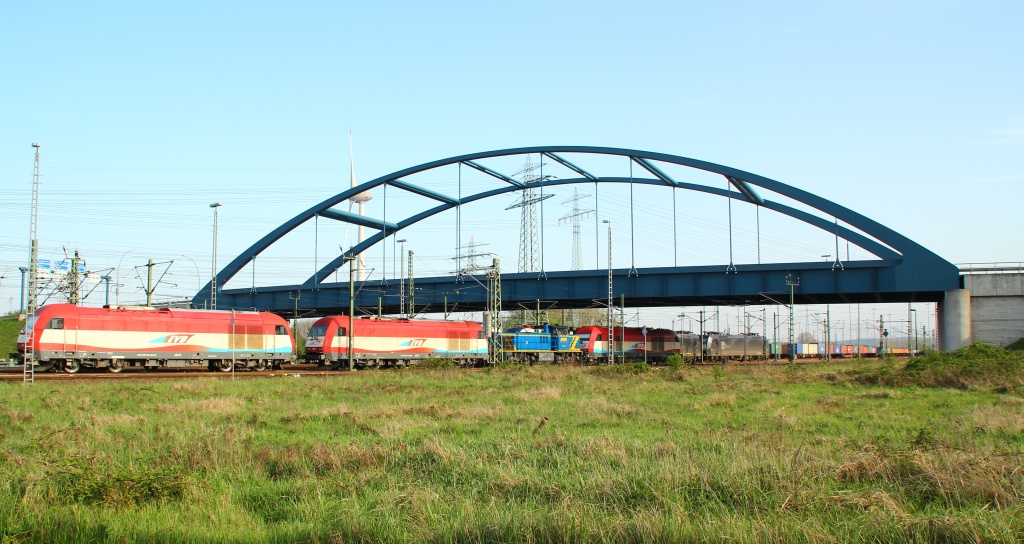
494	278
28	364
401	281
858	326
764	332
909	311
622	326
74	286
775	333
611	316
882	333
295	319
792	346
106	297
701	339
21	304
412	289
915	333
351	309
213	258
149	283
828	334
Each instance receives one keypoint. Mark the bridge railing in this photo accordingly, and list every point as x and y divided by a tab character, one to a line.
991	268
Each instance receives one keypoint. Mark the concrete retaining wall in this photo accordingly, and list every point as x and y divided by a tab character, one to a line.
997	307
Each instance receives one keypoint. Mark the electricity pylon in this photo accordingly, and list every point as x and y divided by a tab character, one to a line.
574	217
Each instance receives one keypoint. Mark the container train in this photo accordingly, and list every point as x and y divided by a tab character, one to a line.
381	341
69	338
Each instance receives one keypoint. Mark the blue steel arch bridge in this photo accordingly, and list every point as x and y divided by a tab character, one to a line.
897	269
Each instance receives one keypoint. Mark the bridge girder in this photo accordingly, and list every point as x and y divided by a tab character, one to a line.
905	270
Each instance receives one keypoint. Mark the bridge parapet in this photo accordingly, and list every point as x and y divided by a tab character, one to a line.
991	268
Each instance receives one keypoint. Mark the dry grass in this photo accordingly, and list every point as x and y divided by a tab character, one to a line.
783	417
948	477
718	400
224	405
544	393
601	406
104	420
875	502
607	450
19	416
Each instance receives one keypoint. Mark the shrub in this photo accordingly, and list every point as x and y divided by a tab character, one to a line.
975	365
674	361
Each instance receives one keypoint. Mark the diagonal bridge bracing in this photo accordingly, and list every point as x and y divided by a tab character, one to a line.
904	271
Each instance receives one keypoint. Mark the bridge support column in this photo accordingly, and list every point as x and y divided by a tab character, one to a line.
955	320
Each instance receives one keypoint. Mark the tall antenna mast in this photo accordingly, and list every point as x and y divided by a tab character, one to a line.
361	199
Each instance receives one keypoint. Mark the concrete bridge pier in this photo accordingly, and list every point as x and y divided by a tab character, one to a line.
955	320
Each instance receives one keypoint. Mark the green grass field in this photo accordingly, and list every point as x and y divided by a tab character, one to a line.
851	452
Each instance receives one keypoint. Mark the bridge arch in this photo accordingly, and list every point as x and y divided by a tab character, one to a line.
879	240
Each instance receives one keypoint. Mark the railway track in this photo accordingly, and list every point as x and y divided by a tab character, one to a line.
15	374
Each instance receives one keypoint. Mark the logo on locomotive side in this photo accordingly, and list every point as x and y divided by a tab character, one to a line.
178	338
417	342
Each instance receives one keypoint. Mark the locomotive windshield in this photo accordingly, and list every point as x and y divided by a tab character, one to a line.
318	330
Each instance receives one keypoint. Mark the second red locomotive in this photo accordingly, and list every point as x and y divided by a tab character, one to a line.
380	341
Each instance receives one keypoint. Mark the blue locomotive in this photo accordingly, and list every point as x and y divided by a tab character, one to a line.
542	343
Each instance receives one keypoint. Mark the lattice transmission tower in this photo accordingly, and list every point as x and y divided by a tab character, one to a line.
573	218
529	231
470	257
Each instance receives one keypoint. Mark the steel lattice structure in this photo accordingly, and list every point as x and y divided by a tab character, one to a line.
904	271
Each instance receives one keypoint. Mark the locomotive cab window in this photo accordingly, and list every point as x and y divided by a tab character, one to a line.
56	323
342	332
280	330
318	330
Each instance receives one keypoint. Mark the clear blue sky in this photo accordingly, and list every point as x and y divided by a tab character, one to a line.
908	112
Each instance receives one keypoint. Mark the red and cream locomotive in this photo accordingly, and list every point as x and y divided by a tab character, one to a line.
380	341
69	338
